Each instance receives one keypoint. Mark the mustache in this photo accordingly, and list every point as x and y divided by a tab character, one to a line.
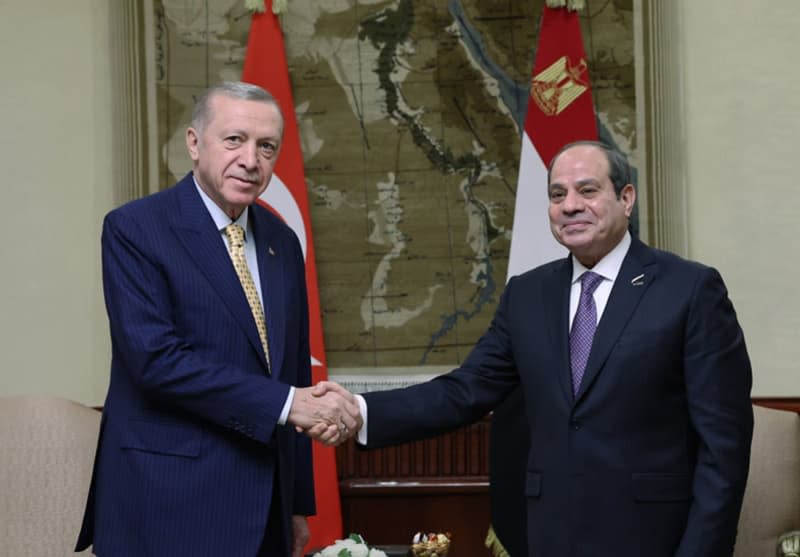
253	177
566	222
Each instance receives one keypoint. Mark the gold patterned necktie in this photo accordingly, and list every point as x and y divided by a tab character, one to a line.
235	234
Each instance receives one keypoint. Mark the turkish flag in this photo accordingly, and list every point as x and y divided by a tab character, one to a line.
560	110
265	66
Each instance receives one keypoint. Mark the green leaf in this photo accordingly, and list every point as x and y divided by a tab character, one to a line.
344	553
357	538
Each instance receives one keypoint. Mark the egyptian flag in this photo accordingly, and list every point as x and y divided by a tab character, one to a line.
265	66
560	110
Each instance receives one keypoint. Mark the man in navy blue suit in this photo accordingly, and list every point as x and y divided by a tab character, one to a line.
645	450
201	450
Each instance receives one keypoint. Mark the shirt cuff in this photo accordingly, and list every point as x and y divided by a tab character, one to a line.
286	407
361	438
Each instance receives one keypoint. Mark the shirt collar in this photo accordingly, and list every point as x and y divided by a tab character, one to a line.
221	220
608	267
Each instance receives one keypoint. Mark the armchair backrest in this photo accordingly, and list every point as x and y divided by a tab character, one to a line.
772	498
47	450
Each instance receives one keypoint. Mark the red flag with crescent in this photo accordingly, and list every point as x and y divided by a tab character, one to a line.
265	65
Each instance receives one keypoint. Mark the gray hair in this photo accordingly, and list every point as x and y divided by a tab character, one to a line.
201	114
619	171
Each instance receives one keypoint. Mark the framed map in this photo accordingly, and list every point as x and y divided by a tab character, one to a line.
410	117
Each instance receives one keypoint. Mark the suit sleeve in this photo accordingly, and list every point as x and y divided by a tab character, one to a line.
454	399
303	497
718	381
148	346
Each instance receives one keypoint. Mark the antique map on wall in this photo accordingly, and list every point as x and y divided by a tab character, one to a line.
410	116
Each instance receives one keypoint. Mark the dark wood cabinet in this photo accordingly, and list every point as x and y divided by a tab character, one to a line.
436	485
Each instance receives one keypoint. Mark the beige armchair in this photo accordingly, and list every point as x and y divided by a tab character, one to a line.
46	453
772	499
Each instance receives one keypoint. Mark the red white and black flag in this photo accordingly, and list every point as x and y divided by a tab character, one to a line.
560	110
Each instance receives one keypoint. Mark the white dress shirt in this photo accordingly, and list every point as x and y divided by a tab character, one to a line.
221	220
608	268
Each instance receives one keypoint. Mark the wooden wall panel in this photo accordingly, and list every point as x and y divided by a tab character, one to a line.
436	485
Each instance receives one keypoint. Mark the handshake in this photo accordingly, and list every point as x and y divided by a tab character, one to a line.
326	412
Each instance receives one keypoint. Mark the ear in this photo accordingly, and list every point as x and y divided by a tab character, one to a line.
628	197
192	144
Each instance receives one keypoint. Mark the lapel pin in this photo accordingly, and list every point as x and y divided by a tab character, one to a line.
638	280
271	251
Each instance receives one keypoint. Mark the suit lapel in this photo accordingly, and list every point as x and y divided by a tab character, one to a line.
556	301
637	273
195	228
271	274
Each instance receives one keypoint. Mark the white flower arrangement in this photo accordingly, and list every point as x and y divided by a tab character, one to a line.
353	546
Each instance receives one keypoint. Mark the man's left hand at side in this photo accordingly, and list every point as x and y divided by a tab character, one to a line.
301	534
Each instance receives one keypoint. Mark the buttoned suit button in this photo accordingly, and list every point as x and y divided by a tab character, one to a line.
574	425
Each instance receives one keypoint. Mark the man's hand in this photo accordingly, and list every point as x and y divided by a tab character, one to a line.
330	435
300	534
326	412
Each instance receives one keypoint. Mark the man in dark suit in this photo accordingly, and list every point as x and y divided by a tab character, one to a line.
640	430
200	450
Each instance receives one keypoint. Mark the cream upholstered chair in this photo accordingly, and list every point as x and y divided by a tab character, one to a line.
772	498
46	453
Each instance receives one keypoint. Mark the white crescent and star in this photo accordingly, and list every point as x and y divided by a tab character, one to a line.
278	198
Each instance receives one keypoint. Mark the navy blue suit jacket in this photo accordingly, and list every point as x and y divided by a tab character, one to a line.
651	456
190	455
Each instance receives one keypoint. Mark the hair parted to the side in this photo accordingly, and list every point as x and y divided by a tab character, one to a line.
619	171
201	114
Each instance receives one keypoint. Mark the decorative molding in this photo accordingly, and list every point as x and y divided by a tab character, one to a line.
131	159
366	379
358	383
660	92
150	97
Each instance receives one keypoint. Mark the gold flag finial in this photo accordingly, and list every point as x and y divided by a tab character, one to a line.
278	6
573	5
255	5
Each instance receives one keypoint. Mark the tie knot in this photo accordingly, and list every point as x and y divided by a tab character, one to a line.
235	234
590	281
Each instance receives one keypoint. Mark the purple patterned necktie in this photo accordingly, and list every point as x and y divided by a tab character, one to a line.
583	326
